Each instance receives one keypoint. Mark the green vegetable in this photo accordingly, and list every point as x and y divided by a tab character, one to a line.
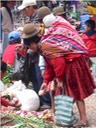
6	78
28	122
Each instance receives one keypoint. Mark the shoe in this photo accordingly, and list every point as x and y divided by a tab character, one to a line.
43	107
80	124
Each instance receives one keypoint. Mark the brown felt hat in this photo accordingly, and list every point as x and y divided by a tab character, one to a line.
58	10
42	12
29	30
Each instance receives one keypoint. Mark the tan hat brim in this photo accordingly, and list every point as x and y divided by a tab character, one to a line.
59	13
25	36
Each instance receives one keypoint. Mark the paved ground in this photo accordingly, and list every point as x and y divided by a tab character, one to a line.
91	111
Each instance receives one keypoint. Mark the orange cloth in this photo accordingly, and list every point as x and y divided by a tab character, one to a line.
92	10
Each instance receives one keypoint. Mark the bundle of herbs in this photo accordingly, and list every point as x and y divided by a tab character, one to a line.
27	122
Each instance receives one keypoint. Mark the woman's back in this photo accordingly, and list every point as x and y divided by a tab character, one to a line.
6	21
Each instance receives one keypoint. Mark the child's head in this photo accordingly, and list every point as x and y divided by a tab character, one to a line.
49	20
14	37
19	76
3	69
90	25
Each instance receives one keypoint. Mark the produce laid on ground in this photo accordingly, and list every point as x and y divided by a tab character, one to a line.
20	115
24	119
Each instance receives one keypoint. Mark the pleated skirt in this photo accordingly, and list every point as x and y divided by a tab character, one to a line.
78	81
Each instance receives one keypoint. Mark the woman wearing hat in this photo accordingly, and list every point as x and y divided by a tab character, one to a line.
42	12
63	51
29	7
59	11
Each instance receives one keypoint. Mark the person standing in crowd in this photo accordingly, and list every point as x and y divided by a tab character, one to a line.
89	37
64	61
29	7
42	12
9	55
7	21
59	11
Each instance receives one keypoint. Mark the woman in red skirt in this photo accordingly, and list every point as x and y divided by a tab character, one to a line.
63	51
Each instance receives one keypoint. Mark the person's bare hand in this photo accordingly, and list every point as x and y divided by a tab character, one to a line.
59	83
19	47
42	72
43	89
43	86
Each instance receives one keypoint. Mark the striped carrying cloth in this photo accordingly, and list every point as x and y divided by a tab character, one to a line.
62	39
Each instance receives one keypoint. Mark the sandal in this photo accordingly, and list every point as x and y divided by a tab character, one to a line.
80	124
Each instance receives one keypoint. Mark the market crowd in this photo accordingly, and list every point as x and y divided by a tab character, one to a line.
49	49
